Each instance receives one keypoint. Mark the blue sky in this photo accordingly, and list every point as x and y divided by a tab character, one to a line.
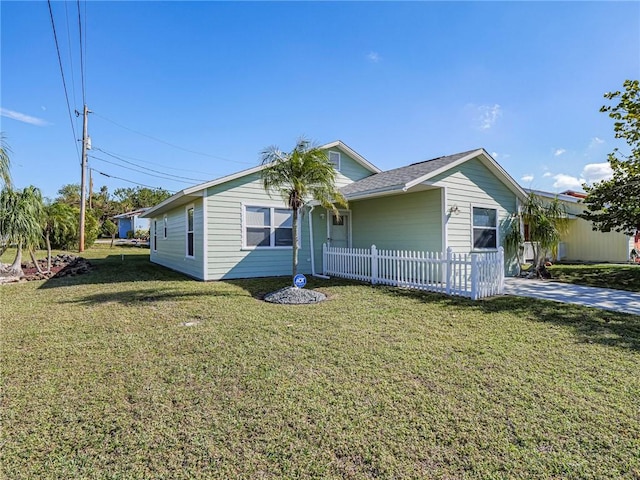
397	82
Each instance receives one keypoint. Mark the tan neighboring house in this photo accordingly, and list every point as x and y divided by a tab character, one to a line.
581	243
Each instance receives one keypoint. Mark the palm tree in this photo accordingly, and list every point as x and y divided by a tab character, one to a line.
58	221
547	222
5	163
20	217
300	176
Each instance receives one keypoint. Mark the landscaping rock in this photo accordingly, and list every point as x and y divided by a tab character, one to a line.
294	296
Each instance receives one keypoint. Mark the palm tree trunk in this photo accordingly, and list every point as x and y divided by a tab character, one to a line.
16	266
48	251
35	261
113	239
294	226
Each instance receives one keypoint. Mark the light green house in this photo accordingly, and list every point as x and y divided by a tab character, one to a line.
231	228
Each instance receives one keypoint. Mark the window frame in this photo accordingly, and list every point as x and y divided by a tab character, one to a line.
164	227
272	227
154	247
496	228
339	164
187	231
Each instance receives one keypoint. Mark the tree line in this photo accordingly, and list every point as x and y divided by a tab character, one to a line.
29	222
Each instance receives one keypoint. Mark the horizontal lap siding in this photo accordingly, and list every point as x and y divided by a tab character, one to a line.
226	258
473	184
171	251
350	170
410	221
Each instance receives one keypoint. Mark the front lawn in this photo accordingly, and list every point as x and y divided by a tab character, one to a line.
621	277
133	371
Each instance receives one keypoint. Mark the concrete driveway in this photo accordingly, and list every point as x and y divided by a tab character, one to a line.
604	298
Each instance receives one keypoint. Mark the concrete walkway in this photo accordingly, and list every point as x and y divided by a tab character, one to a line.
604	298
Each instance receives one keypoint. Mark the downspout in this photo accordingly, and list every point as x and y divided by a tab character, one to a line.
313	253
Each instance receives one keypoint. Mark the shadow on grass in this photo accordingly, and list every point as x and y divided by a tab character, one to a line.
149	296
117	269
590	325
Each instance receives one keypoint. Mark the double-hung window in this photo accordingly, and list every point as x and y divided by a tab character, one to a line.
485	228
155	235
164	225
190	237
267	227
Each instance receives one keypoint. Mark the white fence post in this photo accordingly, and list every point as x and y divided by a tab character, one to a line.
374	264
324	259
449	271
475	276
501	271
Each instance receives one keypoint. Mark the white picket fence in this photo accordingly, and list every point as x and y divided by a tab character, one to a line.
474	275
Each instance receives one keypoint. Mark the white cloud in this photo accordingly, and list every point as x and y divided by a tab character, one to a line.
567	182
547	174
373	57
21	117
559	151
528	178
594	172
489	115
494	155
595	141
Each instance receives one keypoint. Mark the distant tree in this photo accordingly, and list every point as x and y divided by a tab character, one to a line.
69	194
140	197
20	221
110	229
614	204
302	175
5	162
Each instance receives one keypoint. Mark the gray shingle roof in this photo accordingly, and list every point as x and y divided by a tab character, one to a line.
399	177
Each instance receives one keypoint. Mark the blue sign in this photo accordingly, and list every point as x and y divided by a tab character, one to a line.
299	281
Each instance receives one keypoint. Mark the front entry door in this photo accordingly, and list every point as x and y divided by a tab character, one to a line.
339	230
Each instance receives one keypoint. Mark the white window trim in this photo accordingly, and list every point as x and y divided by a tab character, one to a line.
186	231
154	238
497	227
244	224
339	166
164	227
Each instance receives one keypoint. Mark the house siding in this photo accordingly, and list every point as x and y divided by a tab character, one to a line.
350	170
411	221
171	251
226	257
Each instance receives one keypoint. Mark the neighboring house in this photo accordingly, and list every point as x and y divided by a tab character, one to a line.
581	243
131	222
231	228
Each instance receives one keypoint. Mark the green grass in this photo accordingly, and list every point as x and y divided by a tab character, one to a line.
621	277
102	380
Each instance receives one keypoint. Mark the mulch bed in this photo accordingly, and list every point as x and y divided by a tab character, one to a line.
61	266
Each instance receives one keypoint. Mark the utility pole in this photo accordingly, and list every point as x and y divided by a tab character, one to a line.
83	179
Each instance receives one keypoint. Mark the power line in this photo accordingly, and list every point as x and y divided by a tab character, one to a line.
121	156
64	83
130	181
171	144
146	168
168	177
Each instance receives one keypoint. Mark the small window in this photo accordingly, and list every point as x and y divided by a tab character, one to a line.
268	227
339	220
334	158
190	238
485	228
164	225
